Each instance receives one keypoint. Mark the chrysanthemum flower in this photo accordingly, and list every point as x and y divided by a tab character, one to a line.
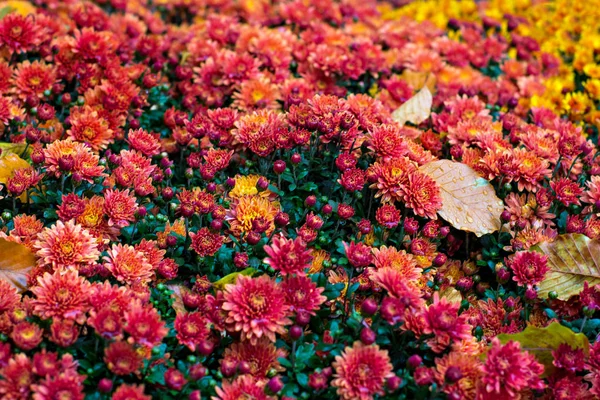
71	206
529	267
130	392
107	323
88	127
64	156
144	142
465	365
144	325
68	384
318	258
258	93
18	33
26	335
122	358
262	356
287	256
256	307
63	295
508	370
17	378
361	371
64	332
390	178
66	245
359	254
248	208
387	142
205	243
33	79
400	260
128	265
388	216
566	191
352	179
245	386
568	358
302	294
422	194
9	298
445	324
397	287
191	329
120	206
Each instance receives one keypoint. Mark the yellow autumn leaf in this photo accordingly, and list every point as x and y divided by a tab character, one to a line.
177	297
9	164
419	79
21	7
451	294
16	260
231	278
542	341
20	149
416	109
469	202
572	259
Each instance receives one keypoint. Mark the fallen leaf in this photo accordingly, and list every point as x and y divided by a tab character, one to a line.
573	259
16	260
416	109
231	278
177	296
542	341
9	164
469	202
21	7
451	294
20	149
419	79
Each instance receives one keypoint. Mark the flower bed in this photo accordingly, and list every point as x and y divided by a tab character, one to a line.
299	199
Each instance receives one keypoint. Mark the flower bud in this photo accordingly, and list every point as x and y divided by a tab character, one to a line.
275	384
367	336
279	167
369	307
414	361
296	332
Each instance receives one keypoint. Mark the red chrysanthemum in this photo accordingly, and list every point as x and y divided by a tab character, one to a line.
359	254
66	245
390	178
191	329
422	194
61	295
445	324
143	324
107	323
568	358
566	191
26	335
205	243
388	216
122	358
64	332
464	365
66	385
9	297
144	142
361	371
18	33
17	378
89	127
352	179
33	79
256	307
130	392
302	294
288	256
120	207
529	267
386	141
262	356
508	370
71	206
244	387
128	265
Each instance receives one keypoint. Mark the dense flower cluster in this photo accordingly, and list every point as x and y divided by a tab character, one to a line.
216	199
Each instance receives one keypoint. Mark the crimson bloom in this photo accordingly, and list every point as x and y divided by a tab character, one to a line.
288	256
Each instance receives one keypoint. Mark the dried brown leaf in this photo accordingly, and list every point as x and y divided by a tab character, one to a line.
469	202
573	259
16	260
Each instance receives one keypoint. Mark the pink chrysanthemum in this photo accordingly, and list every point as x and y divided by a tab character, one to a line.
568	358
9	297
566	191
191	329
244	387
144	142
205	243
143	324
288	256
122	358
130	392
302	294
66	245
256	307
422	194
261	356
445	324
66	385
128	265
508	370
528	267
120	206
61	295
361	371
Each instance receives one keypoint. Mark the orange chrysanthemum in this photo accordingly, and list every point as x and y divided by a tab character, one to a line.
66	245
62	295
390	178
248	208
128	265
87	126
399	260
33	79
422	194
361	371
467	366
256	307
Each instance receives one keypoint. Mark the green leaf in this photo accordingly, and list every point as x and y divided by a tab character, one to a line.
5	11
302	379
542	341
